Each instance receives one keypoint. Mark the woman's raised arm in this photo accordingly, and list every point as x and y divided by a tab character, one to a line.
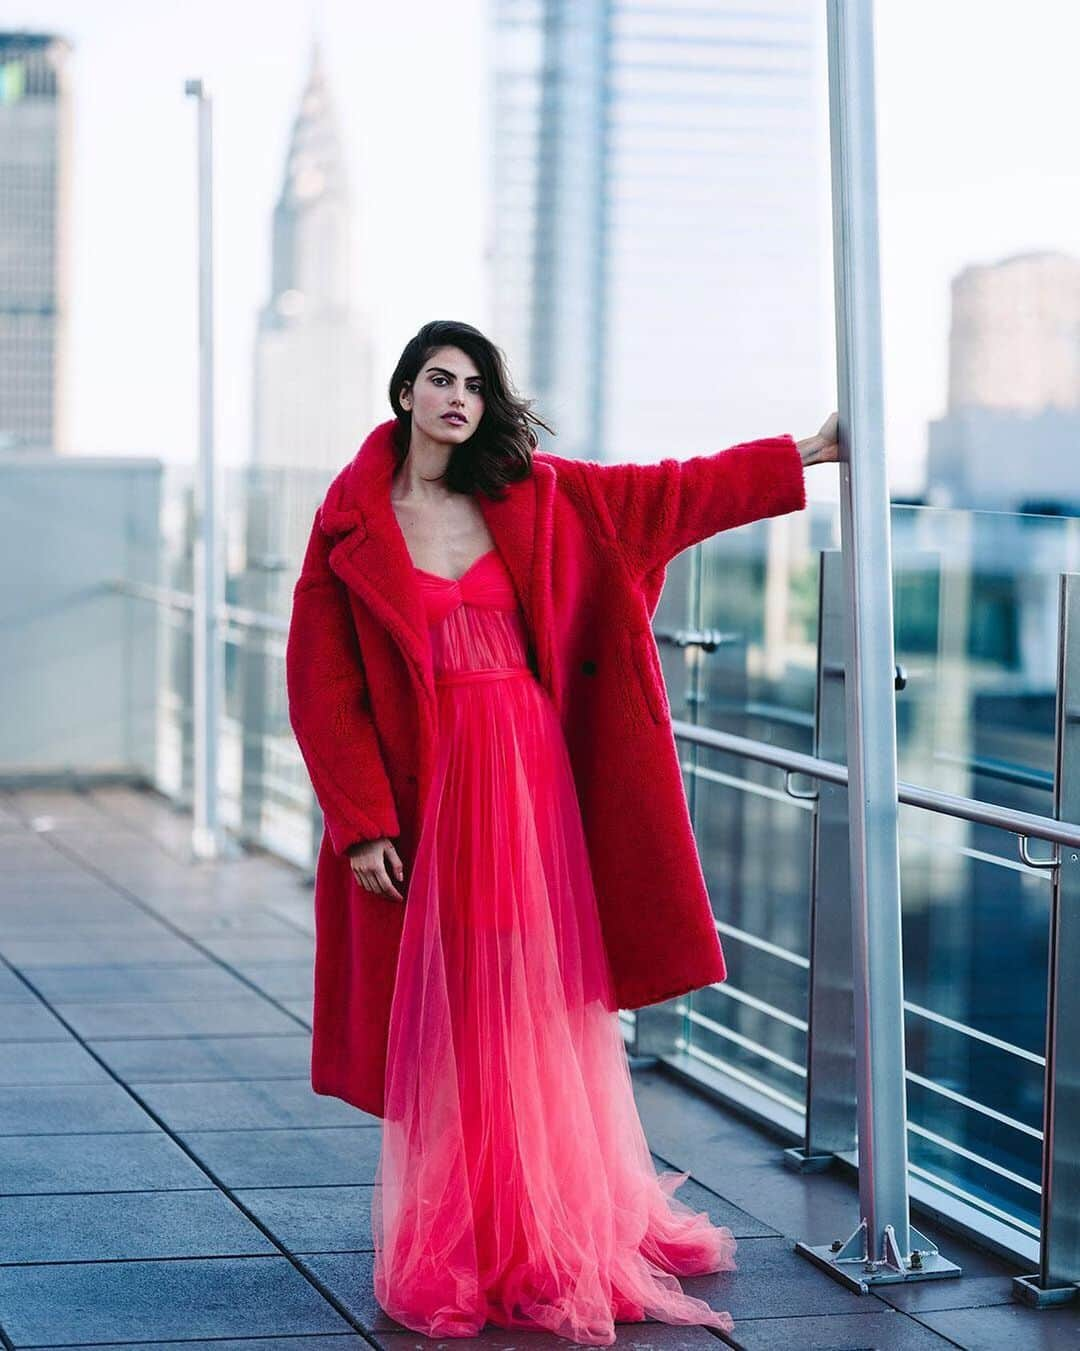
657	510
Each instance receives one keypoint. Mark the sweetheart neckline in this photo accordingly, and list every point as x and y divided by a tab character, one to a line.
453	581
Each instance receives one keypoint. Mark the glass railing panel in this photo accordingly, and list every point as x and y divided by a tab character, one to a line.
975	610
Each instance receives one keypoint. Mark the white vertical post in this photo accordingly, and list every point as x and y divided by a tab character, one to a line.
208	681
881	1248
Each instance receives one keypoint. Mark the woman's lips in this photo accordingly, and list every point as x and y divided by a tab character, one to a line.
454	417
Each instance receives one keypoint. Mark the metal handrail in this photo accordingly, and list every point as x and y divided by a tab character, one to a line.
241	615
1023	824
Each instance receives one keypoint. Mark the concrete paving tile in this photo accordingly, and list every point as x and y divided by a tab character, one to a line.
39	910
61	1109
1008	1327
242	923
26	953
173	1059
157	1300
349	1276
817	1210
297	907
246	1104
228	887
283	980
248	1013
12	987
117	1161
720	1211
879	1331
240	949
313	1219
328	1156
199	978
25	1020
50	1062
773	1281
111	1226
135	871
959	1292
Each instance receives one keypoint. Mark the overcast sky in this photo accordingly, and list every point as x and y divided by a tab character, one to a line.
976	162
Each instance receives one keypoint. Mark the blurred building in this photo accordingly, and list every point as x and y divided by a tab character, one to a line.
656	256
1010	437
313	362
35	223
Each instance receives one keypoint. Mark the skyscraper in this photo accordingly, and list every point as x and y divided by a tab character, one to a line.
313	377
35	209
1011	431
656	252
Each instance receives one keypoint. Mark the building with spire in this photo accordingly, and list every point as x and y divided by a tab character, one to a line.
313	362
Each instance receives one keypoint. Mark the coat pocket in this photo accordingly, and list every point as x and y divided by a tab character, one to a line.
645	660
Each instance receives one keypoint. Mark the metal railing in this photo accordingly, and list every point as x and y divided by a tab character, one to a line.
828	1109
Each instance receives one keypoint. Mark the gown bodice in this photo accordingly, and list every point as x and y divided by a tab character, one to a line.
475	621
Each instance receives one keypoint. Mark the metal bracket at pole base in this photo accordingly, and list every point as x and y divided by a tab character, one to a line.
801	1160
1027	1290
925	1262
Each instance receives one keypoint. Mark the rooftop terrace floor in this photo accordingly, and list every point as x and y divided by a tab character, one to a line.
167	1176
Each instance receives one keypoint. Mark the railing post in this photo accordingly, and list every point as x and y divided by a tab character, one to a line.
830	1046
884	1247
1056	1281
207	841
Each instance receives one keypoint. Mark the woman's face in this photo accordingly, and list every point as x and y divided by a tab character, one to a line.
447	383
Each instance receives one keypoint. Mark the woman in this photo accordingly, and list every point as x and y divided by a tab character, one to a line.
467	737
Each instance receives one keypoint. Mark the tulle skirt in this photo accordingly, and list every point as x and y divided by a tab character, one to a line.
515	1184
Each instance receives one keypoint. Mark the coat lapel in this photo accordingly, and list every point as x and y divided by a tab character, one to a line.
372	557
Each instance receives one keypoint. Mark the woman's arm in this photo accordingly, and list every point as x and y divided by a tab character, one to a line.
657	510
329	709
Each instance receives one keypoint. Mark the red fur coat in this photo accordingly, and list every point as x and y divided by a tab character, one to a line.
587	545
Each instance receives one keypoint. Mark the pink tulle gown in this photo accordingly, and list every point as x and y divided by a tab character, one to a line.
515	1183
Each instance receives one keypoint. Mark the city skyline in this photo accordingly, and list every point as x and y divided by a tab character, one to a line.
133	315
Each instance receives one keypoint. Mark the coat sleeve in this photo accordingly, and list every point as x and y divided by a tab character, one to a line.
329	708
655	511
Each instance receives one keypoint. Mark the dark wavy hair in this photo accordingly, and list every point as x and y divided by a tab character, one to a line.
500	451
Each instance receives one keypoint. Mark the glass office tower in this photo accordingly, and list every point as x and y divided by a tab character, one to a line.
656	258
35	207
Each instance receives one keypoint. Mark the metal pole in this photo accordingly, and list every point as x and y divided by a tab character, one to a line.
881	1247
206	839
1058	1278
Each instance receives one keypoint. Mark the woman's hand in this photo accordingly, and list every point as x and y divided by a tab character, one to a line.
824	448
368	862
